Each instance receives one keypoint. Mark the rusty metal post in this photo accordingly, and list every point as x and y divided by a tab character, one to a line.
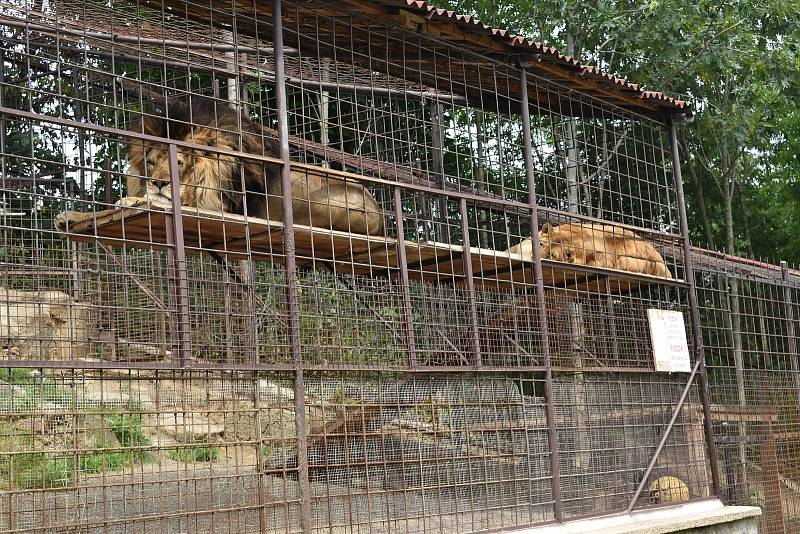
181	278
293	318
470	284
108	180
788	312
694	311
408	318
440	232
550	412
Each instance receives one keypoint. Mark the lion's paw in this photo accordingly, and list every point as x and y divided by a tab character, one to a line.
61	221
125	202
159	201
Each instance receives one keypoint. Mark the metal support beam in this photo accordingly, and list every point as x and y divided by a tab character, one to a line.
694	312
550	413
184	347
293	310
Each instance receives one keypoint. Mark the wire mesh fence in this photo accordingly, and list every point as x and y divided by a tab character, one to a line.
314	266
749	315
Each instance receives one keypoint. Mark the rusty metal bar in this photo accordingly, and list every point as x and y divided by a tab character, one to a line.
291	270
550	413
470	283
108	180
788	307
169	232
440	225
408	317
182	289
694	311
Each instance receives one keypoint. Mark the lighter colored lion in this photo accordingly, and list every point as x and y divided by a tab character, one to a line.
223	182
608	246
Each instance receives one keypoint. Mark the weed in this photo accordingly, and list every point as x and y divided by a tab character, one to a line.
99	460
128	431
197	450
34	391
37	470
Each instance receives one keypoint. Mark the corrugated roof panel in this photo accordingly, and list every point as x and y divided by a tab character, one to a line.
548	53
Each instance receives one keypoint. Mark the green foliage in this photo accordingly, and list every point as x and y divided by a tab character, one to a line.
30	392
128	431
37	470
196	451
736	62
101	460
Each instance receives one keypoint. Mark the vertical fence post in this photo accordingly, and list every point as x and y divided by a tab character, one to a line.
402	263
293	319
181	278
440	232
550	413
788	312
694	311
472	308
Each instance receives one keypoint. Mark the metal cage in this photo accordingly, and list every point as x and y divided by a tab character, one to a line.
359	310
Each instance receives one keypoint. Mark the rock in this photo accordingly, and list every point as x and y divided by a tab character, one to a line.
93	399
195	428
11	352
45	324
271	393
97	432
31	426
7	389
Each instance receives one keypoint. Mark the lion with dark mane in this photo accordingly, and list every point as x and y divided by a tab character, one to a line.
224	182
608	246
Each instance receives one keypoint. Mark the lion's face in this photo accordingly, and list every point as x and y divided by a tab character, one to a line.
158	187
556	245
205	178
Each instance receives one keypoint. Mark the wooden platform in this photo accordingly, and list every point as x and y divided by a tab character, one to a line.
138	225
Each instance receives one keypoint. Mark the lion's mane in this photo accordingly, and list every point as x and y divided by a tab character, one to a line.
216	181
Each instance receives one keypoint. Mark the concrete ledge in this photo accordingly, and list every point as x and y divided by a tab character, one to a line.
683	517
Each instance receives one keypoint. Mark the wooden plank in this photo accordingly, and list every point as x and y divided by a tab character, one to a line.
139	225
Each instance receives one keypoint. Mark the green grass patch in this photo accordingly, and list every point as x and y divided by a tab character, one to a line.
195	451
99	461
37	470
35	390
128	431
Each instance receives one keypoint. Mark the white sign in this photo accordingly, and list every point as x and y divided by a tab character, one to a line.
670	348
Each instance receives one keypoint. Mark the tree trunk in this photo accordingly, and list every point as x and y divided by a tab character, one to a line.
745	224
572	164
580	411
700	198
738	350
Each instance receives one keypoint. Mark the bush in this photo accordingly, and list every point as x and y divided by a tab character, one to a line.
128	431
195	451
37	470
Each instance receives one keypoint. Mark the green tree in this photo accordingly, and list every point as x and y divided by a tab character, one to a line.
737	64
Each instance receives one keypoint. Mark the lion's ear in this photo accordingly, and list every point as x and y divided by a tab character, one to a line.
546	229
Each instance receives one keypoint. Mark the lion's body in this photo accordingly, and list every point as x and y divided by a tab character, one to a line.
223	182
606	246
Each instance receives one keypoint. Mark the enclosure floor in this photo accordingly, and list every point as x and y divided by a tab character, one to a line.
224	501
